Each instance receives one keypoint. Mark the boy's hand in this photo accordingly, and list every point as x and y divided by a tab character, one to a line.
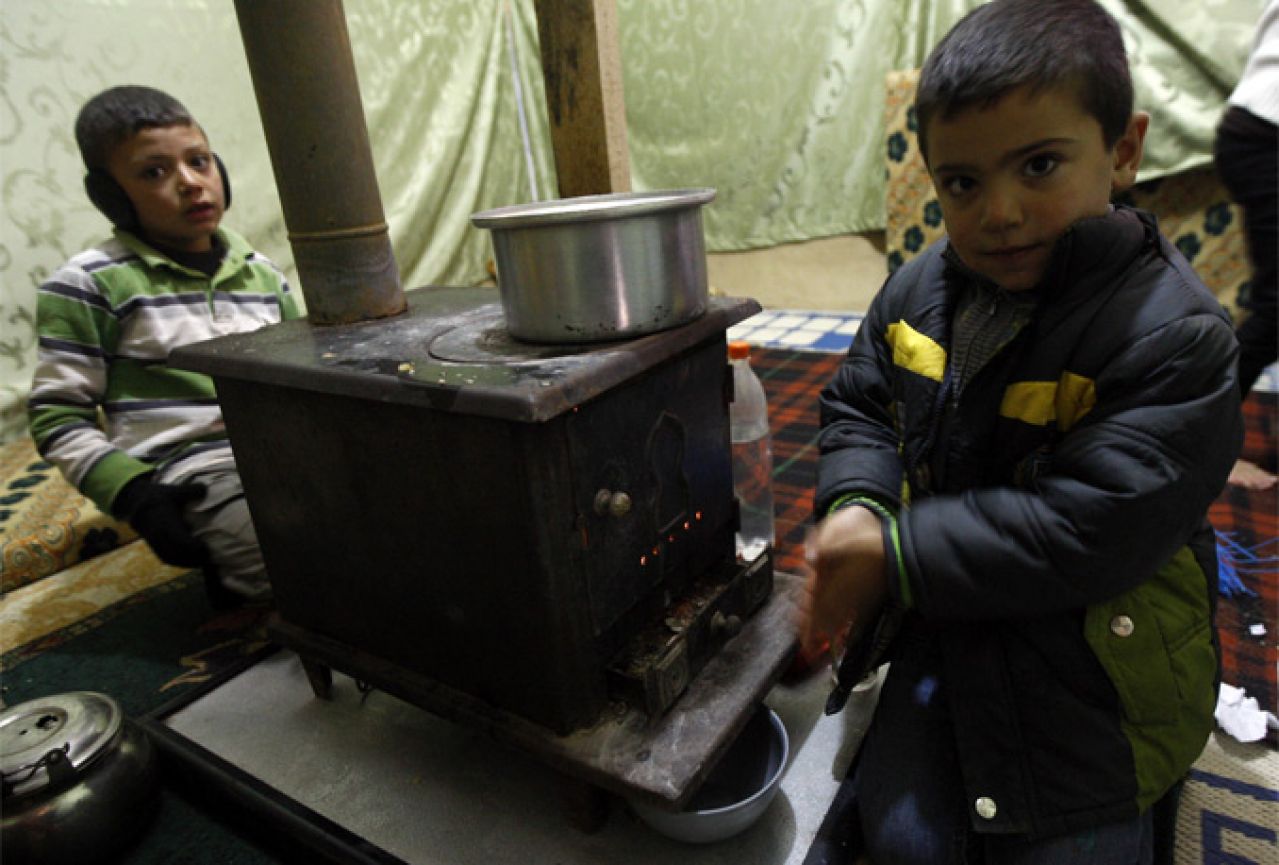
156	512
845	577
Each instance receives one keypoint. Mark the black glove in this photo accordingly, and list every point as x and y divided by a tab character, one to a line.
155	512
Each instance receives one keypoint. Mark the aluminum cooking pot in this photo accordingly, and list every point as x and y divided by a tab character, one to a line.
79	781
600	267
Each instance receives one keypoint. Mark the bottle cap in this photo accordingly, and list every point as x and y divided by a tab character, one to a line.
739	350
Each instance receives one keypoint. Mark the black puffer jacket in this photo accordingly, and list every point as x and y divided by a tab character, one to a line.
1055	536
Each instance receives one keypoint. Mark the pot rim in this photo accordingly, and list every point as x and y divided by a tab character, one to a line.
590	208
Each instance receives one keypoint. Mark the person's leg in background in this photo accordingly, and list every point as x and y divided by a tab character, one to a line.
220	519
1245	156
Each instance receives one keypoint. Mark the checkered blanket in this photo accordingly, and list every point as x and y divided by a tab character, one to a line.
1247	525
1246	522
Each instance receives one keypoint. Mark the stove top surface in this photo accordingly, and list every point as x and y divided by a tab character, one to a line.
481	337
450	352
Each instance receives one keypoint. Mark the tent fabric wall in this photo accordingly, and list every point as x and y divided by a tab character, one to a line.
777	105
780	105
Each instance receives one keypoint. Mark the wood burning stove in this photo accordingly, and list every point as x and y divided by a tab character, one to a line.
546	529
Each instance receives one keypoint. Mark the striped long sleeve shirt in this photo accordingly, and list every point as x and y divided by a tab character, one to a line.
104	406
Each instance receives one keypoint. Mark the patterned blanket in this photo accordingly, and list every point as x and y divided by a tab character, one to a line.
46	526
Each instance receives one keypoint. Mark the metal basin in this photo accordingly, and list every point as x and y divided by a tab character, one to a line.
738	790
600	267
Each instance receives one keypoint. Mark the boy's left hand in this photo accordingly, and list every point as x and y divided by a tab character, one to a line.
156	512
845	584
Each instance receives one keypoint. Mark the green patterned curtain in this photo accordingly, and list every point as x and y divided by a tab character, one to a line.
1185	59
436	80
778	105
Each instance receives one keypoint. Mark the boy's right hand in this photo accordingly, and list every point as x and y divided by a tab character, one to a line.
155	511
846	585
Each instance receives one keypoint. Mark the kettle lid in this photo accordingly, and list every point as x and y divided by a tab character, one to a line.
49	740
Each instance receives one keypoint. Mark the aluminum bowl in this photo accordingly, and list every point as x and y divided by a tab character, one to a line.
738	790
600	267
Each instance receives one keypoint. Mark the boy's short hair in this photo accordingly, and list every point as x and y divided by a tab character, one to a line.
119	113
1006	44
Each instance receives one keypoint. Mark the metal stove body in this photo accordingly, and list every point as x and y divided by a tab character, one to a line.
546	529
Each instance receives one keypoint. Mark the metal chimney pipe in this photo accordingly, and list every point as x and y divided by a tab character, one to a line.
303	73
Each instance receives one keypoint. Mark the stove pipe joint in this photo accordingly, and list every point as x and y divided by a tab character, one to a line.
299	55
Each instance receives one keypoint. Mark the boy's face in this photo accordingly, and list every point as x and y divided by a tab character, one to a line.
169	174
1012	177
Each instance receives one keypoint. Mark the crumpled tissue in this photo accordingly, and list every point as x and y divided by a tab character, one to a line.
1241	716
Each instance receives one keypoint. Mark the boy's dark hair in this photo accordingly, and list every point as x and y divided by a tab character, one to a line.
1007	44
117	114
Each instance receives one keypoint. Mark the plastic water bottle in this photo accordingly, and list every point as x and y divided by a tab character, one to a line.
752	455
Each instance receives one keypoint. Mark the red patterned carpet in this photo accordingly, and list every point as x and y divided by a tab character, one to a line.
1247	523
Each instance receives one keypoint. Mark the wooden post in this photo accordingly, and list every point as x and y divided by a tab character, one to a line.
582	68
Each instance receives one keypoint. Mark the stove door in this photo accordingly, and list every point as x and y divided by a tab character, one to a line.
653	484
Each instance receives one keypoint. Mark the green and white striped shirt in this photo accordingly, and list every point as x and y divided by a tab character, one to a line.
104	406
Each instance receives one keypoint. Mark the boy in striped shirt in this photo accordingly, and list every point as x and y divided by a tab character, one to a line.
145	442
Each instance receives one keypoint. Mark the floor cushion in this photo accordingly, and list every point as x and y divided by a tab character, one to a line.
46	525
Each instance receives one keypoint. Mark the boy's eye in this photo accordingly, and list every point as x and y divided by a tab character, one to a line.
958	185
201	161
1040	164
153	172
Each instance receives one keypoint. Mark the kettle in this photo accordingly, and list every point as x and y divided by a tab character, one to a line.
79	781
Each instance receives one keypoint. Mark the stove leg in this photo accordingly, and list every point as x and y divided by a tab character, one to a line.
584	805
320	677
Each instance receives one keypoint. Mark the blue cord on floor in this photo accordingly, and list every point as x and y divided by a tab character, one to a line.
1231	558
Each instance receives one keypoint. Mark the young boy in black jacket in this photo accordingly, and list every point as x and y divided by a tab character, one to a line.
1017	459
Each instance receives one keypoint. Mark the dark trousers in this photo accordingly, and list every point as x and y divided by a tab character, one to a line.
911	801
1246	153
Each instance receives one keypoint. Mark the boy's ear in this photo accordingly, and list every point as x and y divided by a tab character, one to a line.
226	183
110	198
1127	152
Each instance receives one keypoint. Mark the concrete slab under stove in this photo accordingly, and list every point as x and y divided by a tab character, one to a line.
427	790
